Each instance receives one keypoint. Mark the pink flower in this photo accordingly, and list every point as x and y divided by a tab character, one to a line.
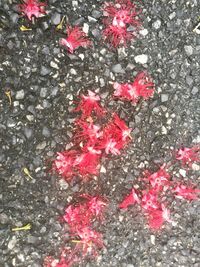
117	36
87	133
141	87
125	131
157	217
67	259
89	105
159	180
184	192
32	8
116	135
96	206
64	163
150	200
188	155
131	199
88	162
75	39
118	16
89	242
122	13
144	85
77	217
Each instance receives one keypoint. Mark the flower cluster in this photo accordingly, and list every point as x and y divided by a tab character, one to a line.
118	17
92	141
76	38
85	239
152	199
32	8
141	87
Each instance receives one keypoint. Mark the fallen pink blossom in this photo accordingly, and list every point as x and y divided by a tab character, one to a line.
159	180
150	200
89	105
75	38
142	86
117	17
32	8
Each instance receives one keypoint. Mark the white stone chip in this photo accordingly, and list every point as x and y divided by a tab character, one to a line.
86	28
141	59
182	172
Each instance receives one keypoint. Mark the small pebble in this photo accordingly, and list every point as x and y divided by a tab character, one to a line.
141	59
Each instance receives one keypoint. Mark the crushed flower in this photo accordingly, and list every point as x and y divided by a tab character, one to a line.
67	259
188	155
76	38
95	205
64	163
79	216
32	8
90	241
131	199
157	217
159	180
186	192
150	200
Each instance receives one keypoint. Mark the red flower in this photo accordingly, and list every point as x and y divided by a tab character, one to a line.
188	155
82	215
75	39
89	105
32	8
125	92
184	192
131	199
141	87
155	219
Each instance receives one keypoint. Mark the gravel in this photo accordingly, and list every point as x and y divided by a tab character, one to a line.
44	82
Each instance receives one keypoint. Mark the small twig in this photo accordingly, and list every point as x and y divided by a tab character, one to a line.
25	227
26	171
8	94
